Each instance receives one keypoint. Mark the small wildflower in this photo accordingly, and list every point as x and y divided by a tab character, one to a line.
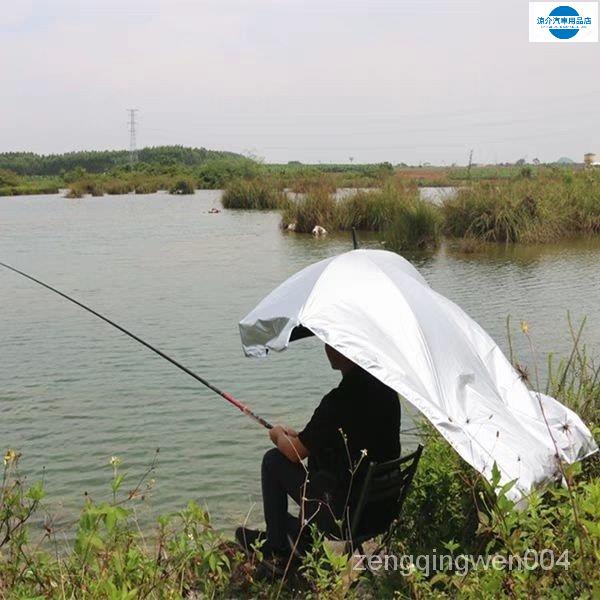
525	327
364	451
10	457
114	461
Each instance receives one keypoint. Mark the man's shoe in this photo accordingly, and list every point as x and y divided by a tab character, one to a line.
274	561
277	562
250	539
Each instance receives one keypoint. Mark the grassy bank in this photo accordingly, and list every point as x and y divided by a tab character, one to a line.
528	209
232	174
12	184
540	209
396	212
523	204
253	194
162	168
450	510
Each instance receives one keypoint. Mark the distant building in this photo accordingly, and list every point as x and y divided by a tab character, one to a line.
590	159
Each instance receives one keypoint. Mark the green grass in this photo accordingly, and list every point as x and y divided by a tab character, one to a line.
374	210
416	226
541	209
30	189
396	211
183	185
253	194
12	184
493	205
316	208
450	509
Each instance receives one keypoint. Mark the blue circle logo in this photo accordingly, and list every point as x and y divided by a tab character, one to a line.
568	15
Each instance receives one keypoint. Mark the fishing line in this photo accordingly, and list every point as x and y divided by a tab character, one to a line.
237	403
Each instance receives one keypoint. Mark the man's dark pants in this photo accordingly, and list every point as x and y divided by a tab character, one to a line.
282	478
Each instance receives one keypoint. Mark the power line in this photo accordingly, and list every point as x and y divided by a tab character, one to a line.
132	135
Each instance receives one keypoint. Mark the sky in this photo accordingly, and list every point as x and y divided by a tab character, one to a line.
313	80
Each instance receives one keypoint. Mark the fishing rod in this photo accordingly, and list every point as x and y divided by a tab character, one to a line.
237	403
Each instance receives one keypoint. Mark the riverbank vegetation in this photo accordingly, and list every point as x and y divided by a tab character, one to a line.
530	209
451	510
526	210
12	184
103	161
253	194
506	204
396	211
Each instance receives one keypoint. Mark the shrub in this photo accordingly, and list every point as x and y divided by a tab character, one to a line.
309	182
110	557
30	189
416	226
182	186
450	510
540	210
117	187
74	192
217	173
85	186
317	208
253	194
374	210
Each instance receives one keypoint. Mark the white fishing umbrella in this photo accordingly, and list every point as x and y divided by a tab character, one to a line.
376	309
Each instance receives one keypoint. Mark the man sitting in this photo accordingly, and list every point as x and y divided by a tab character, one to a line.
356	423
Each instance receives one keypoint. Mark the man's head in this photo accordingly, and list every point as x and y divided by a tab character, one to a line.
338	361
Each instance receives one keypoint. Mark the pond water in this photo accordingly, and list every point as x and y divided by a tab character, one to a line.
74	392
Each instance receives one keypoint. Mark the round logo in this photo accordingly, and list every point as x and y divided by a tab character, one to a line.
565	33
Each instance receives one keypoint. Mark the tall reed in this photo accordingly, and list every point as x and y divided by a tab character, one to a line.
253	194
539	209
396	211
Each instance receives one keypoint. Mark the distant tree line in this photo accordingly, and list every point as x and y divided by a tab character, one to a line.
368	169
101	161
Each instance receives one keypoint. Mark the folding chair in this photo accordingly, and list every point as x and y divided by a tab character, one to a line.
383	481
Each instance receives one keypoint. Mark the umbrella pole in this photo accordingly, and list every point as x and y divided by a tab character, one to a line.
234	401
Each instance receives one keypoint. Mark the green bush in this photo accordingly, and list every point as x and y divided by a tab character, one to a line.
88	185
117	187
110	558
253	194
540	210
453	510
416	226
182	186
397	211
450	510
216	174
316	208
374	210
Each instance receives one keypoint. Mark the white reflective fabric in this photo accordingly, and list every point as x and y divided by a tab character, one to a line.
374	307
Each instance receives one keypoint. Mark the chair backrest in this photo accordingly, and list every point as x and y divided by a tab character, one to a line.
386	481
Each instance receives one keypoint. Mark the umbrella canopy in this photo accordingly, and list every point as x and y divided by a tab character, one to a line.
376	309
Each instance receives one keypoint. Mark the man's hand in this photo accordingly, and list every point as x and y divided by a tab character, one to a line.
276	432
287	441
